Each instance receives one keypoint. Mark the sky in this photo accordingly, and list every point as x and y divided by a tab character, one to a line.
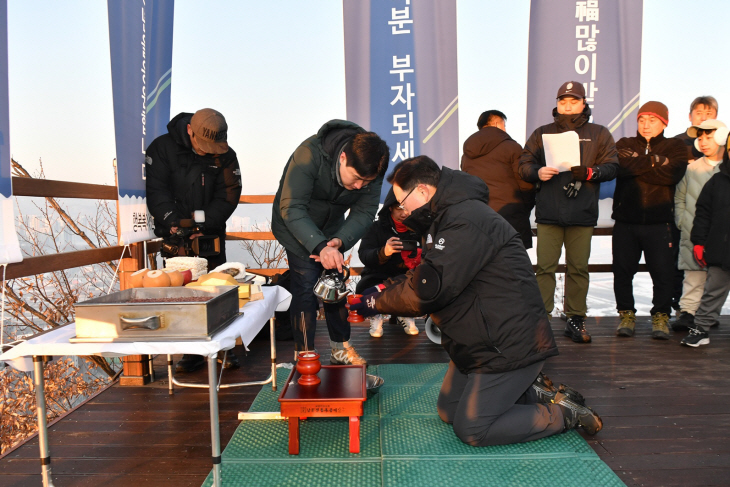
276	71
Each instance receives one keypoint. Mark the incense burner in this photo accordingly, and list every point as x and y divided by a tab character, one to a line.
308	365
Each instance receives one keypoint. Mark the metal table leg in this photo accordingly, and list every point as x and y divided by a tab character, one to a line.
170	387
215	436
40	400
272	337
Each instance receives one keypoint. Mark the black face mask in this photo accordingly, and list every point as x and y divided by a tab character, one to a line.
420	220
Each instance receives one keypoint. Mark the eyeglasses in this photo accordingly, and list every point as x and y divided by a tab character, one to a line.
400	205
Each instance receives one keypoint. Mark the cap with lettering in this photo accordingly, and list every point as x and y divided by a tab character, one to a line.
572	88
707	125
210	130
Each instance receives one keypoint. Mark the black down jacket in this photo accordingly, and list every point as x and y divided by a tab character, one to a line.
645	188
494	157
711	226
179	181
378	266
597	148
475	280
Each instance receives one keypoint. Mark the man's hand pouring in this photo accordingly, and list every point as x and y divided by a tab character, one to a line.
330	256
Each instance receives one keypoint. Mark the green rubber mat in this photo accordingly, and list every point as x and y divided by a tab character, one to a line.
402	442
528	473
428	435
363	474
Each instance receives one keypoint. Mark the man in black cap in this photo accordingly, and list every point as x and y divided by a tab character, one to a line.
566	203
492	155
188	169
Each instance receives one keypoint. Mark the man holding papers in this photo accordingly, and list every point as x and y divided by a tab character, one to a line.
566	204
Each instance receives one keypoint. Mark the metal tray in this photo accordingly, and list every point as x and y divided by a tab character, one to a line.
113	318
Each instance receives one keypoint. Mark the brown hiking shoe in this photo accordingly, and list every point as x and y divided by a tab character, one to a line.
346	356
660	326
627	325
577	414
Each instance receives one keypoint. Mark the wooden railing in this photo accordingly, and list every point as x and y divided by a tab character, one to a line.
64	189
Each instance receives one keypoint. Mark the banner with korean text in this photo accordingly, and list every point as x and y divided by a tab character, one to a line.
595	42
9	247
140	40
401	76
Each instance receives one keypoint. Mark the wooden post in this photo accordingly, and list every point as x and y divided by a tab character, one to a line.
136	370
136	367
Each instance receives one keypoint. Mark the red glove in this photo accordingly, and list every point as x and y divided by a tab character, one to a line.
699	253
411	262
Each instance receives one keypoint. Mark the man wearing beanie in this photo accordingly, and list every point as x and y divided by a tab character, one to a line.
191	168
650	166
566	203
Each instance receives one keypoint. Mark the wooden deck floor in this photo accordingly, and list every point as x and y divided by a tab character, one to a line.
665	410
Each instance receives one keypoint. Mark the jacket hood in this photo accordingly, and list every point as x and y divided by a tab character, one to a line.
389	201
453	187
483	142
571	122
178	129
724	167
333	135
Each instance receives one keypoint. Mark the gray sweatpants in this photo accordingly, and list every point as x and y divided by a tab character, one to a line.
497	409
717	287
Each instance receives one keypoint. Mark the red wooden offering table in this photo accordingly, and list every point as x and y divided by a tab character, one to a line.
341	393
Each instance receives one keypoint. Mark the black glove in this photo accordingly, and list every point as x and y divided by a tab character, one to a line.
580	173
626	152
571	190
365	304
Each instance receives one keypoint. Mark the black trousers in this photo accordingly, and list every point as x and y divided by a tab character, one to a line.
656	242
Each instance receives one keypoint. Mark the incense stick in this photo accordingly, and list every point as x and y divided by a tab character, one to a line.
304	330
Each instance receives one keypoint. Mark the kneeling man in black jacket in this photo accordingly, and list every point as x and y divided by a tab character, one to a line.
476	281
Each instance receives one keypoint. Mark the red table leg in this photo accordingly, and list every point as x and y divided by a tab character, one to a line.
294	436
354	434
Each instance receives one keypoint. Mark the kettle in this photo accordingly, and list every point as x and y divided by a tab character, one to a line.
331	286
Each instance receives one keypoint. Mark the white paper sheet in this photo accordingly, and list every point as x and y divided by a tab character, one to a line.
562	151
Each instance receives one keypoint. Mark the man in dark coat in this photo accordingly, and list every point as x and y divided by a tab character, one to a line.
188	169
340	168
476	282
711	239
702	108
566	203
492	155
650	166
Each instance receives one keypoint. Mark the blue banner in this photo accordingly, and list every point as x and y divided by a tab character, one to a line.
401	76
9	248
596	42
140	40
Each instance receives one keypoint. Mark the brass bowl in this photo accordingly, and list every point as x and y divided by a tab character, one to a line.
373	383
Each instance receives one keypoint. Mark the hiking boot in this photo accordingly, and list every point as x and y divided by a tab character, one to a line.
231	360
190	363
346	356
697	336
577	414
409	325
546	391
575	328
544	388
659	326
376	326
627	325
684	322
